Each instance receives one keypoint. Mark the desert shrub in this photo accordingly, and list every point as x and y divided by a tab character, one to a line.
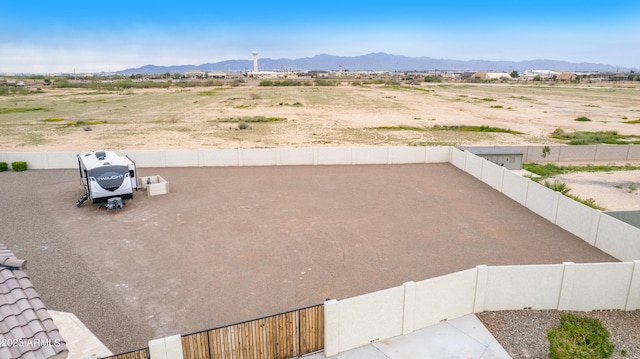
550	170
7	91
321	82
252	119
579	337
281	83
401	128
592	138
4	110
558	186
544	170
482	128
430	78
3	166
19	166
583	119
564	189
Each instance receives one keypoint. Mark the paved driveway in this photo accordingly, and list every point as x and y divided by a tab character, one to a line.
232	244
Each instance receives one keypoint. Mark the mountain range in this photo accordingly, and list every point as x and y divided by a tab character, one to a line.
377	62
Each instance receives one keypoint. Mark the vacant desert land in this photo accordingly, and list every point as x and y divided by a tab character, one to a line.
80	120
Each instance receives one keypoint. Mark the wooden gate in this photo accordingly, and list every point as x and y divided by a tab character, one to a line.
280	336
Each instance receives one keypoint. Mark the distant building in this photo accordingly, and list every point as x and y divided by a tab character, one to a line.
506	157
194	74
566	76
217	75
618	76
319	74
483	75
272	75
543	74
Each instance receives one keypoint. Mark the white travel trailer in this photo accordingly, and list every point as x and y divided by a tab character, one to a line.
106	175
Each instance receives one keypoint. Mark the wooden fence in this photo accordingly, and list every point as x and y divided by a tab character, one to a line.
280	336
135	354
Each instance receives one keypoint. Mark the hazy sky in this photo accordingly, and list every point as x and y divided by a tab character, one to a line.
96	36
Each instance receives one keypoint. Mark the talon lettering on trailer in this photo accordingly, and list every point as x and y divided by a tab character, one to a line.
106	175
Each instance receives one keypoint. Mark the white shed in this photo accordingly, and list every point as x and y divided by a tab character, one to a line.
507	157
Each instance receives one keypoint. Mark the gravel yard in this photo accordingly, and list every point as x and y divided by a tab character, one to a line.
233	244
523	333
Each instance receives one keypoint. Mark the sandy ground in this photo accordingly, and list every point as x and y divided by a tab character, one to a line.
80	120
615	191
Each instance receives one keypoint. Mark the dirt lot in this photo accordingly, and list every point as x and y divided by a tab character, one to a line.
231	244
59	119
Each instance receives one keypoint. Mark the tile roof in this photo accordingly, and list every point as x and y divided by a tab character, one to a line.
26	328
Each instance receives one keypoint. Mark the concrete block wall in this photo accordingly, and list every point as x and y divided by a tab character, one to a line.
578	219
514	186
542	201
328	156
534	154
576	153
617	238
473	164
631	217
458	158
613	152
42	160
377	316
358	321
609	234
596	286
493	176
247	157
567	153
446	297
166	348
634	153
519	287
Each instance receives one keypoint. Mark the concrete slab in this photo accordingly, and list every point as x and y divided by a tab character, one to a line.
464	337
80	340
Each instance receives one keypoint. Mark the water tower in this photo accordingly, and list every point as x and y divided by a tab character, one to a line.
255	61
